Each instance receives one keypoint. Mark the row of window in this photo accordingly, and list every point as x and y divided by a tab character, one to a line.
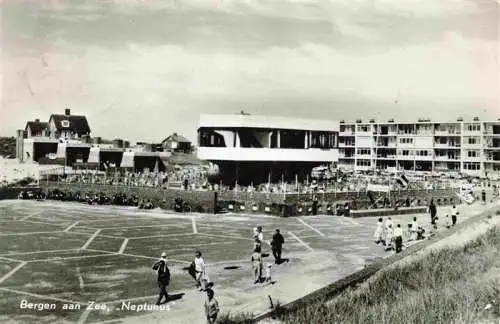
467	166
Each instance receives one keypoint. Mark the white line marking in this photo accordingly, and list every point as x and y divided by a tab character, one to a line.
137	256
145	226
10	259
8	275
80	279
314	229
90	240
106	236
49	251
30	215
41	296
300	241
227	236
350	220
124	245
164	235
31	233
84	316
68	258
71	226
193	223
40	222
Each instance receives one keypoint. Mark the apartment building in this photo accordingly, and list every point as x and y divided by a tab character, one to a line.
467	147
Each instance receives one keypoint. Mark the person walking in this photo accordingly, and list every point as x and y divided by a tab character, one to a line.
414	229
163	277
398	238
378	236
256	265
277	245
211	307
454	215
433	212
389	238
200	271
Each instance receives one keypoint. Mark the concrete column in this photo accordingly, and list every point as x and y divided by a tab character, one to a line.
306	140
278	145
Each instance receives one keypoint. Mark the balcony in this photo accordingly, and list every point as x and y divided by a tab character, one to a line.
346	144
346	133
447	133
445	158
405	157
447	145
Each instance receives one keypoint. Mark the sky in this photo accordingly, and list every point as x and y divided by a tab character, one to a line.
143	69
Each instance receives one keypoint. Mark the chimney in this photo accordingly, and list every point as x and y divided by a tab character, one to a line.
37	120
67	112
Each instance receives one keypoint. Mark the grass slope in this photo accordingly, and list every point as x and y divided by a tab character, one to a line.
452	285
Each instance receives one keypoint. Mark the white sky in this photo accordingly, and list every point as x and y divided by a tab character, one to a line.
142	69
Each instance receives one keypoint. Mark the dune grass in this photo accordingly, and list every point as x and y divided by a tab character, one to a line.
451	285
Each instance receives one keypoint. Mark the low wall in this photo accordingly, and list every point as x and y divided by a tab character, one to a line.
388	212
11	192
334	289
200	201
258	202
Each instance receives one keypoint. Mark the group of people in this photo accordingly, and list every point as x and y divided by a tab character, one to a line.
259	275
198	271
392	236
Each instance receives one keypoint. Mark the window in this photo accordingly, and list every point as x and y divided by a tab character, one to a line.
65	123
406	140
422	153
363	151
405	152
473	154
363	128
473	140
363	162
474	127
474	166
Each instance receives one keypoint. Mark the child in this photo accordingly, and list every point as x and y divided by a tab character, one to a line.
268	274
211	307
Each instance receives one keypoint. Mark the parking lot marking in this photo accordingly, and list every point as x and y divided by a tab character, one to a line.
11	272
86	245
30	233
124	245
71	226
193	223
227	236
300	241
30	215
41	296
48	251
314	229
